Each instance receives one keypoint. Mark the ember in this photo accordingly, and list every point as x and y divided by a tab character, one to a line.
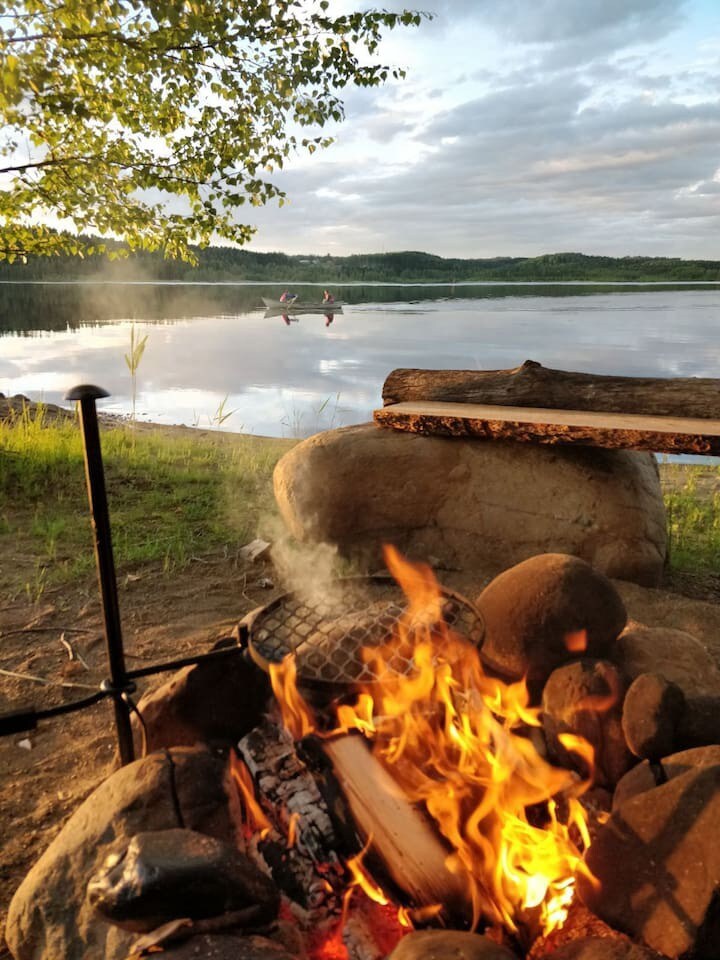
455	741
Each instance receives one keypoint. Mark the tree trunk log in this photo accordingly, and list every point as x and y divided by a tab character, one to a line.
525	424
533	385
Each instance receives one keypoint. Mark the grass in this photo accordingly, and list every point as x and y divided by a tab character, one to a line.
171	497
692	500
175	496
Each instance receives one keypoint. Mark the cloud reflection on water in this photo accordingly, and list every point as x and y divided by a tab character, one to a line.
294	380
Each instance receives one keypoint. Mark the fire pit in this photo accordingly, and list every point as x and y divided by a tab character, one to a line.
410	758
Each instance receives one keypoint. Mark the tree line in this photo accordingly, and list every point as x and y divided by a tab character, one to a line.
230	263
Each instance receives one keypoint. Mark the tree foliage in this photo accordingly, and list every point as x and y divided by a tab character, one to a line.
156	120
223	263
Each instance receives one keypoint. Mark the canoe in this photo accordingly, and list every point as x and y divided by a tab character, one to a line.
295	305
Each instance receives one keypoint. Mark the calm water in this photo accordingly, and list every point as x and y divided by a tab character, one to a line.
208	342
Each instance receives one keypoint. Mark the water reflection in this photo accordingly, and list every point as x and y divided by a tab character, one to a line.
209	342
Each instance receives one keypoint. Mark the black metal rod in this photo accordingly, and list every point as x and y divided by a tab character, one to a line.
120	684
169	665
28	718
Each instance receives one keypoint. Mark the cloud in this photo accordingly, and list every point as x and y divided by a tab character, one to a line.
621	22
523	144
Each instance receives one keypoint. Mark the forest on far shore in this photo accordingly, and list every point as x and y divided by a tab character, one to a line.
230	263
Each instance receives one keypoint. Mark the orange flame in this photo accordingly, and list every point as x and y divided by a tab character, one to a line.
255	815
361	878
457	743
296	716
293	830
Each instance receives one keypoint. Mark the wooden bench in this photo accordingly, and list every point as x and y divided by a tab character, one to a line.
535	404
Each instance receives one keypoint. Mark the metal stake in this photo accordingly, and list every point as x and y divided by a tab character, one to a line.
119	684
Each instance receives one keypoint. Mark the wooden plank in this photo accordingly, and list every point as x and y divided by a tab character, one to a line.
540	425
532	385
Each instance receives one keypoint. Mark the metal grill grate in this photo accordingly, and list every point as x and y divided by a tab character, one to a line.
327	636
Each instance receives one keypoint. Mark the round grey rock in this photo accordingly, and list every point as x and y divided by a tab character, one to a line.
165	875
224	946
585	698
601	948
645	776
673	654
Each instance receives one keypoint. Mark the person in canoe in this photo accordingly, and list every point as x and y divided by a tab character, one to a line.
287	297
328	297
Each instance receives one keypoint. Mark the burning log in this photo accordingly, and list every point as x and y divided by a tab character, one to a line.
298	842
532	385
408	846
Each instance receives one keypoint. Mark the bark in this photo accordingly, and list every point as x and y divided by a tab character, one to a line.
614	431
532	385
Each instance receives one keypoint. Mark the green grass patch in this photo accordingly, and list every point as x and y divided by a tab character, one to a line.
171	497
174	496
692	500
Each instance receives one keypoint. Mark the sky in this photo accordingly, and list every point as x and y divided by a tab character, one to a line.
523	127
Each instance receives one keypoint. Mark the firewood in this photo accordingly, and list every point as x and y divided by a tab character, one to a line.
532	385
310	872
546	426
409	847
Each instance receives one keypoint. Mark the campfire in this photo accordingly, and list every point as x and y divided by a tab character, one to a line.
437	763
379	767
395	780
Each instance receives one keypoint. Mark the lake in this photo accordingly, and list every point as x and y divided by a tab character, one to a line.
211	350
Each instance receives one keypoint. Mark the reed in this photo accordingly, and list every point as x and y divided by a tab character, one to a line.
132	359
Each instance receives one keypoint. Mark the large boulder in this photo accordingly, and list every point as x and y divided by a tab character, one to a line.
474	504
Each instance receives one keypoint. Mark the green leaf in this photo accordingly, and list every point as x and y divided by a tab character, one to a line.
122	101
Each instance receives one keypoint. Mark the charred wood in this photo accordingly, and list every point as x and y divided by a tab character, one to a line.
302	858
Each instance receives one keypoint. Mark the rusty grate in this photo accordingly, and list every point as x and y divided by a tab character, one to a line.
328	634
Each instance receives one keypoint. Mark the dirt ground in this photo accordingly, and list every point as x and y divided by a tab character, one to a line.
46	773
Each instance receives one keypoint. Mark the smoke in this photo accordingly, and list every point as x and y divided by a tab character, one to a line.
310	570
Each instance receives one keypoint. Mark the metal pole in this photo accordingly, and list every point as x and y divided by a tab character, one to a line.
119	683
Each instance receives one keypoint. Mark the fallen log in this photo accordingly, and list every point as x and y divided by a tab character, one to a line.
532	385
545	426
